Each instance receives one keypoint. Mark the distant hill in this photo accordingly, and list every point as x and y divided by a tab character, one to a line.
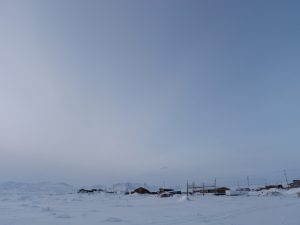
123	187
47	187
51	187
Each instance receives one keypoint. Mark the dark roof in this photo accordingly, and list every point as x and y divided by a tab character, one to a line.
141	190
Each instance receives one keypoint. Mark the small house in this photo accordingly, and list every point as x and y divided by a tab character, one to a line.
295	184
141	190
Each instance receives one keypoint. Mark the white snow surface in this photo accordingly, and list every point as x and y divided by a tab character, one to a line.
69	208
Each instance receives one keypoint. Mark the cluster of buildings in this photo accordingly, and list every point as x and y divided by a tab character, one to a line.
193	189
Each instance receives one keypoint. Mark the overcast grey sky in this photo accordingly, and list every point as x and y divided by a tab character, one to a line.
108	91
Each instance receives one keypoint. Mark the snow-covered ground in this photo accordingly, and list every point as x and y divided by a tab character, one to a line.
42	207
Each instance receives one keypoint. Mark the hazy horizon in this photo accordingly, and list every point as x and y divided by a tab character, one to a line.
100	92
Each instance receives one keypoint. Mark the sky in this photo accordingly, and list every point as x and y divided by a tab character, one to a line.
161	91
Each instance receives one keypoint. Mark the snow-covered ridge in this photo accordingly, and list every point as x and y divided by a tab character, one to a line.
51	187
122	187
46	187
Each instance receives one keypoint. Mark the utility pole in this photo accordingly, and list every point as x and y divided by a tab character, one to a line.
215	185
248	181
193	187
187	190
286	179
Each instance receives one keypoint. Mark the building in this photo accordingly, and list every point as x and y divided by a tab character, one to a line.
141	190
295	184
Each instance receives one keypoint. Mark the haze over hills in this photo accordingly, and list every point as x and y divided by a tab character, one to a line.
52	187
